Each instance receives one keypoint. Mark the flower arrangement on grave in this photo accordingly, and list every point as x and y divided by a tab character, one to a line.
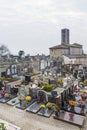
85	82
20	97
28	98
7	95
24	103
59	81
72	103
42	106
56	109
49	105
82	103
2	92
49	87
71	115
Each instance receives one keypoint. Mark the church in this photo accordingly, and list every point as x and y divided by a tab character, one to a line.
65	48
70	53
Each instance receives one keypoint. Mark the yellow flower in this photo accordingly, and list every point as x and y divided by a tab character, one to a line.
42	106
49	105
72	103
59	80
28	98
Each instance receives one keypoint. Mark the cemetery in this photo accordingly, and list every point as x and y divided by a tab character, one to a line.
42	97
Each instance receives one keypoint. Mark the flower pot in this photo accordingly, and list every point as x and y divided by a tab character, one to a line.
71	115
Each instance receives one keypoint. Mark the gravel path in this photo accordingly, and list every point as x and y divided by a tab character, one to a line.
29	121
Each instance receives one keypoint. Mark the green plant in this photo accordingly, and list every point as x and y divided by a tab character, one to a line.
85	82
2	126
49	105
56	107
49	87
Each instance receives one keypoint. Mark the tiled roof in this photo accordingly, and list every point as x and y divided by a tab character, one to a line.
66	46
59	47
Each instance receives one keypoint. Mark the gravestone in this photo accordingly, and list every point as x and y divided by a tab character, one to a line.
42	96
8	88
22	93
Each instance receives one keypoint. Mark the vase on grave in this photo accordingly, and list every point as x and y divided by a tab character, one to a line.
72	105
71	115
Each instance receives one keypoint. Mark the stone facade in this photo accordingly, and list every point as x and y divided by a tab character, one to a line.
78	59
71	49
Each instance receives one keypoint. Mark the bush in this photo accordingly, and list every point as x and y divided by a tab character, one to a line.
48	87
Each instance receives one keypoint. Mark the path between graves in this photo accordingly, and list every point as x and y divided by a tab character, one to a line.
29	121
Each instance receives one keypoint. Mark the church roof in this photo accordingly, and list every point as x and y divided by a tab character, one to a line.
59	47
66	46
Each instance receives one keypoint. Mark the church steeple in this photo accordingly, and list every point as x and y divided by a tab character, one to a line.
65	36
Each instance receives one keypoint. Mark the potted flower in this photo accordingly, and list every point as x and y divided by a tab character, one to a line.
71	115
2	93
7	95
56	110
49	105
42	106
72	104
28	98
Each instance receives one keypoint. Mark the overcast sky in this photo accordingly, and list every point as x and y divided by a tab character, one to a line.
35	25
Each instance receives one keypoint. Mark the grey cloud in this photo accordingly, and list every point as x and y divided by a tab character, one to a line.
35	25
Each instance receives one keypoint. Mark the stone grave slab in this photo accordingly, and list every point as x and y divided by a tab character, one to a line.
47	112
13	102
24	107
4	100
77	120
34	108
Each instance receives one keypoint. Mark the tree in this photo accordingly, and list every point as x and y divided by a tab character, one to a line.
4	50
21	54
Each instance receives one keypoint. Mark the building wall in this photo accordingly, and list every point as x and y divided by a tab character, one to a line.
81	60
67	60
58	52
2	70
75	51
